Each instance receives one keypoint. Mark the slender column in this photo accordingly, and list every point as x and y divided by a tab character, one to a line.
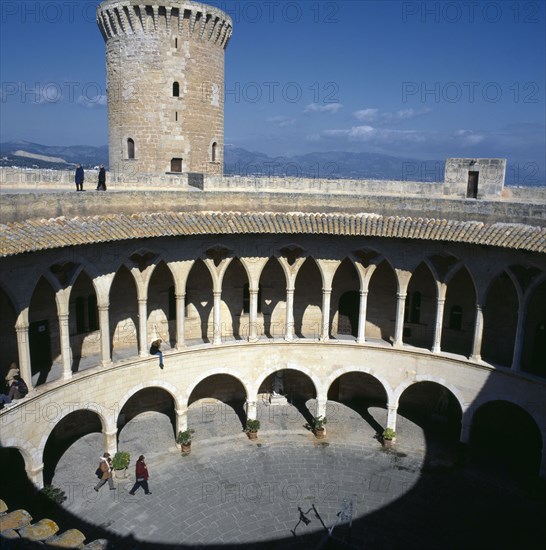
36	475
361	338
326	295
66	354
181	420
253	317
180	320
465	430
400	308
110	441
104	323
251	410
23	348
217	333
440	303
142	326
321	407
478	334
392	411
518	343
289	328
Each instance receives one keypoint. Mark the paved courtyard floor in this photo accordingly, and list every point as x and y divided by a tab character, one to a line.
287	488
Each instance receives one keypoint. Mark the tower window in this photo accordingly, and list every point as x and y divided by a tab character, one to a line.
130	149
176	116
176	165
176	43
214	152
176	89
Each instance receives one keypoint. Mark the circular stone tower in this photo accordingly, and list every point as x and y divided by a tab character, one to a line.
165	77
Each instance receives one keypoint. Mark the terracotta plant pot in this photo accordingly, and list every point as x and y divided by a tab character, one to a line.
388	442
185	448
252	435
320	433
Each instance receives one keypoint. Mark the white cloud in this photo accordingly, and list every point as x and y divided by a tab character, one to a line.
366	115
281	121
469	137
92	102
331	108
374	115
367	133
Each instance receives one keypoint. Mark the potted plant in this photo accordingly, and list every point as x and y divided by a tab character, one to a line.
184	440
318	426
388	437
120	462
252	427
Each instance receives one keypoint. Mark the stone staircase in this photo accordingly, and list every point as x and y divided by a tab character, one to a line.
18	531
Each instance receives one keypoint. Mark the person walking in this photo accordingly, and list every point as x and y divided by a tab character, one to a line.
141	474
102	179
105	467
155	350
79	177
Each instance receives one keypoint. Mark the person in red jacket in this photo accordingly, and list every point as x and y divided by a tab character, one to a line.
141	473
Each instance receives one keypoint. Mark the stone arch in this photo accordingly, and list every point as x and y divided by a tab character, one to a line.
219	398
431	404
234	321
32	456
308	300
401	388
344	315
161	306
381	311
420	310
500	320
506	437
261	379
44	334
213	372
8	343
155	404
361	392
362	370
273	281
199	303
459	313
534	339
123	313
71	427
83	319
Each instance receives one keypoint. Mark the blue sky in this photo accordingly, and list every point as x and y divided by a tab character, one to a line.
425	80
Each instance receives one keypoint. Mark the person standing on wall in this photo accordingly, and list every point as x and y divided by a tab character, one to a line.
141	474
79	177
102	179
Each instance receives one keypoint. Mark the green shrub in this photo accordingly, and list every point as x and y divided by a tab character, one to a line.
121	460
318	422
54	494
184	438
252	426
389	434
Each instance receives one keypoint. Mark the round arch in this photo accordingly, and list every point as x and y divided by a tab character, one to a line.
262	377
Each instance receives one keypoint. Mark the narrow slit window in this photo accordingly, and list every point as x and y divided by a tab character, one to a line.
176	89
214	152
130	148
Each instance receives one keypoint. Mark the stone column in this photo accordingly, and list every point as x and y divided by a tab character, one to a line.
361	338
181	420
36	475
400	309
440	303
251	410
321	407
216	328
478	334
66	353
253	316
465	430
289	328
518	341
110	441
392	411
104	324
142	327
23	348
326	295
180	320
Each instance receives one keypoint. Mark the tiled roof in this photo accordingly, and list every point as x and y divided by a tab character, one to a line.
34	235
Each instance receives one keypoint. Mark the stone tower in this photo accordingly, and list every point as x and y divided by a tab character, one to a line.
165	77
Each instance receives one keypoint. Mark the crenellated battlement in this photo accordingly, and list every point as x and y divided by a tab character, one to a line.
169	17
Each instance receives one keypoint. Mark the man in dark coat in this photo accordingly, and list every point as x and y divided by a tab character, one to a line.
102	179
79	178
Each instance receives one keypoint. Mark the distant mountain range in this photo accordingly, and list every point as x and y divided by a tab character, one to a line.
238	161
